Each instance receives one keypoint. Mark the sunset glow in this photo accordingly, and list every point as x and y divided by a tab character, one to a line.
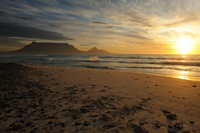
185	45
118	26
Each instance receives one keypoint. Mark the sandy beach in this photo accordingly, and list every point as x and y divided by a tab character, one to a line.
57	99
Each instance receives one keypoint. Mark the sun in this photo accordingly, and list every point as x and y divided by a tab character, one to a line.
184	45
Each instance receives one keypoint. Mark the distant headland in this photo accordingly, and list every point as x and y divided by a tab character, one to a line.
53	48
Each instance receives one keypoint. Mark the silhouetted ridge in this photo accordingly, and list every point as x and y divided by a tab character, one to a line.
53	48
95	50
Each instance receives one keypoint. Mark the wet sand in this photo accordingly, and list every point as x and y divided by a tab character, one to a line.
57	99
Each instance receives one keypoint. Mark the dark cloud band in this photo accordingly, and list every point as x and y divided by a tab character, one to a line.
14	30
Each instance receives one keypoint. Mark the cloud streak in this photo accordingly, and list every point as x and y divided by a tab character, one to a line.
96	22
14	30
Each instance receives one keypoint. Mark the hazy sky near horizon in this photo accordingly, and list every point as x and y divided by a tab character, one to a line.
119	26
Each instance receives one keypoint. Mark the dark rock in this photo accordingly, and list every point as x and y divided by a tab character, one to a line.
127	108
132	125
170	126
22	121
165	111
111	125
171	116
86	123
192	122
140	129
84	109
19	116
157	125
136	107
29	123
76	116
105	118
186	131
194	86
115	131
179	125
141	123
62	124
52	117
172	131
77	123
15	127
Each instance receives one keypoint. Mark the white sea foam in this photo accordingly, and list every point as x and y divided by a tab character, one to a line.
94	59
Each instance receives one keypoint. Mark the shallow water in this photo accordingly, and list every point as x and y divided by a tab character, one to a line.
179	66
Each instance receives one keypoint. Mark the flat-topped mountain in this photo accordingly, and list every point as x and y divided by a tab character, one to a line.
54	48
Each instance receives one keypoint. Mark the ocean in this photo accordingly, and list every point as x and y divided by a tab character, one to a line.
177	66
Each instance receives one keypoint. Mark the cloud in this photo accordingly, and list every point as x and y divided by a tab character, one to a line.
29	19
88	44
39	21
3	13
96	22
14	30
137	36
109	27
185	19
9	43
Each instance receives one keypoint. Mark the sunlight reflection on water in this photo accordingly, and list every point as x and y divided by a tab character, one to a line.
182	75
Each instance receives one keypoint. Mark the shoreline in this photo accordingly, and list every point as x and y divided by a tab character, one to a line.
66	99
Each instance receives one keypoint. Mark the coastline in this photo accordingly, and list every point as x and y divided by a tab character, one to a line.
65	99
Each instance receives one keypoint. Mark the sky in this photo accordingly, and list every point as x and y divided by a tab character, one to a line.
118	26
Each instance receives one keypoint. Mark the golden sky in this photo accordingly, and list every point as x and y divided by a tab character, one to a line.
118	26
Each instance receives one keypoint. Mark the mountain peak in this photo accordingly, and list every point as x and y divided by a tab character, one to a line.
95	50
46	48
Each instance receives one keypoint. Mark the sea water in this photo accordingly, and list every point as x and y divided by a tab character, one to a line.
179	66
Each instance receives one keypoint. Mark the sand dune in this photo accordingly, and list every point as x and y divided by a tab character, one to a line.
56	99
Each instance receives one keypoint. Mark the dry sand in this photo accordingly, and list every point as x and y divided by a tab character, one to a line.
55	99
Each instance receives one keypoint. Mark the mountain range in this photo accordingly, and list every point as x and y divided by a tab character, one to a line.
53	48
